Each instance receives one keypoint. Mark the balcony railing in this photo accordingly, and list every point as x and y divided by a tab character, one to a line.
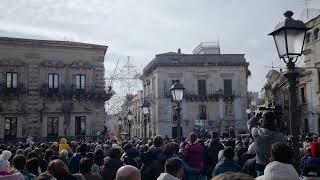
88	92
19	90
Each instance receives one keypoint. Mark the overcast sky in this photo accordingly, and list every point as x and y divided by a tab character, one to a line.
143	28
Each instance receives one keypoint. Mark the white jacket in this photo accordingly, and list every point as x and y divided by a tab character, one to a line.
279	171
166	176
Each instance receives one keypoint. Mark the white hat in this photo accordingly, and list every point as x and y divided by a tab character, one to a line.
4	163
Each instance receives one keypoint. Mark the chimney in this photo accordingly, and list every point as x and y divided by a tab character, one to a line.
179	51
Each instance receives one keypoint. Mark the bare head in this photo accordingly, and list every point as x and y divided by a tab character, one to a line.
128	173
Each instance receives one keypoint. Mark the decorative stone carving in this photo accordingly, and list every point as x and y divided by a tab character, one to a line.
80	64
11	62
52	64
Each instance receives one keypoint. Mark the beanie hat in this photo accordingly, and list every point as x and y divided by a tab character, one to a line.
4	163
228	152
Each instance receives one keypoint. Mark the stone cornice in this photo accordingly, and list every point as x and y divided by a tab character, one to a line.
50	43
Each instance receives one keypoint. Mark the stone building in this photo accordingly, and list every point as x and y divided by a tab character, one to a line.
312	66
133	103
51	88
275	93
216	91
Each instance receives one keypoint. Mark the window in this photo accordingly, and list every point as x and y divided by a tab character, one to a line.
202	90
80	125
12	79
53	126
318	79
80	81
175	61
316	34
53	81
308	38
228	109
227	84
10	127
202	112
303	98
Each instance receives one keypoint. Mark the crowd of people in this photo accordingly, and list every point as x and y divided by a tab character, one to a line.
265	155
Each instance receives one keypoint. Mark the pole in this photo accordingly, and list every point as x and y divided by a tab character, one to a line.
179	121
129	131
294	127
145	128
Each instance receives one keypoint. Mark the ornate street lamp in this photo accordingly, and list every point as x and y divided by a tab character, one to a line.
145	111
289	37
129	117
177	92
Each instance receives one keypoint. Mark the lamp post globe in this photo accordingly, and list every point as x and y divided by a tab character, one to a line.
177	91
289	36
130	115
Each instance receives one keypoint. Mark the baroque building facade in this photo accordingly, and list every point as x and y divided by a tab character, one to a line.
51	88
215	91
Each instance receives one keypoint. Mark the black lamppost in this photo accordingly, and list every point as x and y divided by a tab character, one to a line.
177	92
130	117
289	37
145	111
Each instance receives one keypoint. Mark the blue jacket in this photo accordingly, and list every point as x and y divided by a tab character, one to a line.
227	165
75	162
307	161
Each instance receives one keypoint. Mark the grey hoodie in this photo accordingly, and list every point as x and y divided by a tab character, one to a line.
264	138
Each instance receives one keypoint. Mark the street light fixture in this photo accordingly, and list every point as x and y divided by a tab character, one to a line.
145	111
289	37
130	117
177	92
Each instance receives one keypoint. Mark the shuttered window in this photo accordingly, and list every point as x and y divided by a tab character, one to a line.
202	89
227	87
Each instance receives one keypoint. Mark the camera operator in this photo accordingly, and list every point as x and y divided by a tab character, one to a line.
263	129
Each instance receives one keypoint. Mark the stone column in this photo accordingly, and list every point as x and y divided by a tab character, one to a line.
221	113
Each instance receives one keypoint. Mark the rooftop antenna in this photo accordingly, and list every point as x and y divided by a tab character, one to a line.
307	9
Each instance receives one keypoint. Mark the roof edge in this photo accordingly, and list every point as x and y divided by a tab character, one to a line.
50	43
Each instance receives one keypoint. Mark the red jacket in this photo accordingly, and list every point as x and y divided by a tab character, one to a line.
315	149
194	155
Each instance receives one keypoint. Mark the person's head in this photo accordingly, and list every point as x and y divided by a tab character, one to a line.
33	166
32	154
19	162
85	165
232	176
214	135
82	148
169	149
4	163
158	141
174	167
58	169
228	152
281	152
127	146
48	154
192	137
115	153
268	120
128	173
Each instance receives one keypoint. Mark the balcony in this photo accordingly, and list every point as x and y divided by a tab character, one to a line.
11	92
88	92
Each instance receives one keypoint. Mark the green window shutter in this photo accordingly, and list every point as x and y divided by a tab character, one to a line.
227	87
202	87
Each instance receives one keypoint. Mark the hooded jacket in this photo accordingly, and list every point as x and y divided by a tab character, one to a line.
166	176
263	139
279	171
64	146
